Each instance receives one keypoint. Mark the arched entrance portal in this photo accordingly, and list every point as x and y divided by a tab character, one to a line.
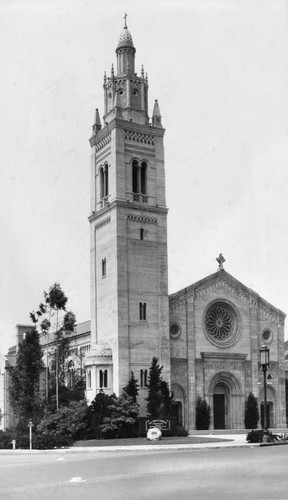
220	406
179	408
226	401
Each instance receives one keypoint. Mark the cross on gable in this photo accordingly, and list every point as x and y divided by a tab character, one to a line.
220	261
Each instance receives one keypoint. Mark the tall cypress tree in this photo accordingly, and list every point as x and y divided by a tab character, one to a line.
132	388
251	412
24	389
154	399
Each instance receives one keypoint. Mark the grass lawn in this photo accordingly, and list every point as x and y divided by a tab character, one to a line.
144	441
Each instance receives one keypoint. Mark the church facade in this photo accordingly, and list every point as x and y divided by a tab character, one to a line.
207	336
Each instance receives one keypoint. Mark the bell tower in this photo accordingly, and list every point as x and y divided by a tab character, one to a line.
128	224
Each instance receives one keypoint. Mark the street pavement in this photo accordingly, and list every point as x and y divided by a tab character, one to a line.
224	473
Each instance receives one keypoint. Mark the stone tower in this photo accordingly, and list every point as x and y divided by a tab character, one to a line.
128	222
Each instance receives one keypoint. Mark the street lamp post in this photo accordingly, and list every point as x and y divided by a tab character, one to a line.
30	425
264	360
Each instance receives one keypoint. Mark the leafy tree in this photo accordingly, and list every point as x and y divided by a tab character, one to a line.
160	399
122	419
132	388
24	389
203	414
251	412
68	422
53	315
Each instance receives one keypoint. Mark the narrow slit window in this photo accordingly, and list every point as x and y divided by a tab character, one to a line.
89	379
103	379
142	311
144	378
141	233
104	268
143	177
135	177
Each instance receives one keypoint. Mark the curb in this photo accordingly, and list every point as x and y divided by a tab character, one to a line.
105	449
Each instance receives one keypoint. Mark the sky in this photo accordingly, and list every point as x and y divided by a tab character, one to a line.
219	69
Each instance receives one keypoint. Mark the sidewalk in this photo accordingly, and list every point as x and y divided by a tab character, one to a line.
223	441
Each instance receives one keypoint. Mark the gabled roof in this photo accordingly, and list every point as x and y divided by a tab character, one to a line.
221	277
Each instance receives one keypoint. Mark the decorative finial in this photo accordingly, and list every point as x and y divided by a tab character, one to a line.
125	17
220	261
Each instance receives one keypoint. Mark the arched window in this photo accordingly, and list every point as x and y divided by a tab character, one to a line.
139	177
143	177
144	378
103	379
135	177
71	374
104	181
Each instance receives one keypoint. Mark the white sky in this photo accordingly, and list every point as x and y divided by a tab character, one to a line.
219	69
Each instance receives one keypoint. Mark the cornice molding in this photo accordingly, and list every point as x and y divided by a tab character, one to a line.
144	210
102	137
224	355
146	219
225	280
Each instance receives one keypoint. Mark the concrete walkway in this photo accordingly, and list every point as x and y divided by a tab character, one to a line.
235	441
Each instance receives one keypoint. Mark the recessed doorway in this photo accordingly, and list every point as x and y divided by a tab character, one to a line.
219	407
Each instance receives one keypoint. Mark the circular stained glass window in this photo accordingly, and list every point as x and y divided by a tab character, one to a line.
220	321
175	330
267	335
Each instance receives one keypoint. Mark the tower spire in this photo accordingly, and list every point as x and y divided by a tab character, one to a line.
97	122
156	117
125	51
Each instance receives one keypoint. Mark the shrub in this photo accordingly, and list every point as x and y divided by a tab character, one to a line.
49	441
6	438
181	431
203	412
251	412
66	424
256	436
121	423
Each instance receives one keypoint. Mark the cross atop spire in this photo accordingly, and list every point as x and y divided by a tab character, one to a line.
220	261
125	17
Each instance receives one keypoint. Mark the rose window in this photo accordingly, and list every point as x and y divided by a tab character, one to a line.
175	330
220	321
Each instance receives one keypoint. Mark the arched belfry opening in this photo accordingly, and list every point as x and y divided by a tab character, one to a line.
226	399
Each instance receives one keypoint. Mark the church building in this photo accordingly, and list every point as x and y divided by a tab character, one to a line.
206	336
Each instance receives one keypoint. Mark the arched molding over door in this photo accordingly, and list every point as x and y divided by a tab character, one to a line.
229	385
228	378
181	402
